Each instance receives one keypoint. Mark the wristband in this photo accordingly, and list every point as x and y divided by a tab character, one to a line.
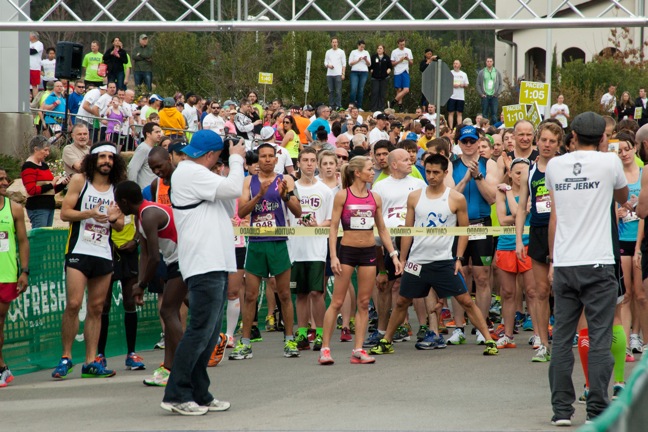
393	253
383	272
25	270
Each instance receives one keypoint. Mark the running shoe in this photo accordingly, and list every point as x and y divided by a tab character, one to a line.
290	348
325	357
302	342
96	370
451	324
441	343
230	341
480	339
618	388
422	331
401	335
542	355
372	340
629	357
636	344
527	325
317	343
160	344
64	367
361	357
215	405
255	334
345	335
219	351
575	341
519	318
446	314
241	352
498	332
491	348
560	421
583	398
311	334
429	342
457	337
535	342
159	379
270	323
5	376
184	408
383	347
506	342
133	362
101	359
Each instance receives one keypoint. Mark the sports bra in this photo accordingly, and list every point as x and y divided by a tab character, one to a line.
358	213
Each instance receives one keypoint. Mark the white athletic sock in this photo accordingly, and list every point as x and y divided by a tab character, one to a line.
233	311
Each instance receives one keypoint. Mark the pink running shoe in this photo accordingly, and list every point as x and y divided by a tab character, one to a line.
325	357
361	357
345	335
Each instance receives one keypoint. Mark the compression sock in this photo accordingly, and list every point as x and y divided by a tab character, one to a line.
233	312
583	352
319	331
130	325
103	334
619	352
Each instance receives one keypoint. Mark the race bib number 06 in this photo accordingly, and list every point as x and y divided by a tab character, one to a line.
413	268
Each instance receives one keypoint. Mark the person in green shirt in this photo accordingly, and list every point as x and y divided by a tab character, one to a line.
91	63
143	55
489	86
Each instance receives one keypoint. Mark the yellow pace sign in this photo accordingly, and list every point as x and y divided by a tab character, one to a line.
265	78
531	92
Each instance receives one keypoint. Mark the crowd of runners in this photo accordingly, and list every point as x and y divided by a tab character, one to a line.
163	222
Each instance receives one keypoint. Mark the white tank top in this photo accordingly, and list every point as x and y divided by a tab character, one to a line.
89	237
432	214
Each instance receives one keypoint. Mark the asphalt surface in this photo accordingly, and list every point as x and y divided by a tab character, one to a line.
454	389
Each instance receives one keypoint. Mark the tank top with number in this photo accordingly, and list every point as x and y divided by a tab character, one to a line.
8	256
358	212
89	237
540	198
167	235
432	213
269	212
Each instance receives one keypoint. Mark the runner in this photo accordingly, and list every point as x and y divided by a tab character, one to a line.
90	209
358	209
266	197
158	236
430	262
14	246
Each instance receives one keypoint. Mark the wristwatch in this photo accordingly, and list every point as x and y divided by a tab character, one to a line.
479	177
24	270
288	195
461	259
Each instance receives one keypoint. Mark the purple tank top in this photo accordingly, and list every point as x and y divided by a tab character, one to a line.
112	125
269	211
358	213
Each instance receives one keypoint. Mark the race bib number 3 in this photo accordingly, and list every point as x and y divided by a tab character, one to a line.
96	235
413	268
4	241
362	222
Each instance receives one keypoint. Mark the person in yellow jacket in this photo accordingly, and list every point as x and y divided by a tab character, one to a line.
172	120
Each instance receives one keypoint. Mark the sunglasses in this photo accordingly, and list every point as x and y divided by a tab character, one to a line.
520	160
468	141
287	121
343	157
216	107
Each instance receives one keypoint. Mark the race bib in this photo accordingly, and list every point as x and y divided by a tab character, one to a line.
266	220
239	241
362	222
413	268
476	237
56	128
543	204
630	217
489	85
96	235
4	241
128	219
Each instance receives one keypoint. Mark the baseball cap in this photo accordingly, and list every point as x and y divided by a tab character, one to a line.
376	114
203	142
143	36
468	132
177	147
189	94
229	103
588	124
267	133
154	98
381	116
411	136
308	108
103	87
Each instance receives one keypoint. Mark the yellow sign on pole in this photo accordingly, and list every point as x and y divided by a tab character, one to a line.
265	78
533	115
531	92
513	113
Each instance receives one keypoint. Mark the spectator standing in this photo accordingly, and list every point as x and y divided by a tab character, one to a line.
609	101
359	60
626	107
335	63
427	59
115	58
35	55
74	153
560	111
190	112
489	86
642	102
401	59
48	65
91	63
55	102
172	119
380	70
143	58
75	99
457	100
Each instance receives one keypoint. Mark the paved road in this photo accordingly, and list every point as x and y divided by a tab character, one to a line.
455	389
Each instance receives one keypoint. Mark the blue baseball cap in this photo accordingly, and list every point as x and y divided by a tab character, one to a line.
468	132
412	136
203	142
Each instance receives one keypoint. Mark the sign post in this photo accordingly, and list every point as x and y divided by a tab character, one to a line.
437	86
265	78
309	53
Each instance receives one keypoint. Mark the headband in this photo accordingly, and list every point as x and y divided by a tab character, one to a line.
104	148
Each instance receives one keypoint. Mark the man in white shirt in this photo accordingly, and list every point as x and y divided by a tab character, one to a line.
401	59
335	63
190	113
380	131
35	56
582	184
359	60
214	120
609	101
49	65
431	114
456	102
560	111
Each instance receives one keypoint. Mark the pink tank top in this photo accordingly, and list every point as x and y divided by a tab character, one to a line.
358	213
